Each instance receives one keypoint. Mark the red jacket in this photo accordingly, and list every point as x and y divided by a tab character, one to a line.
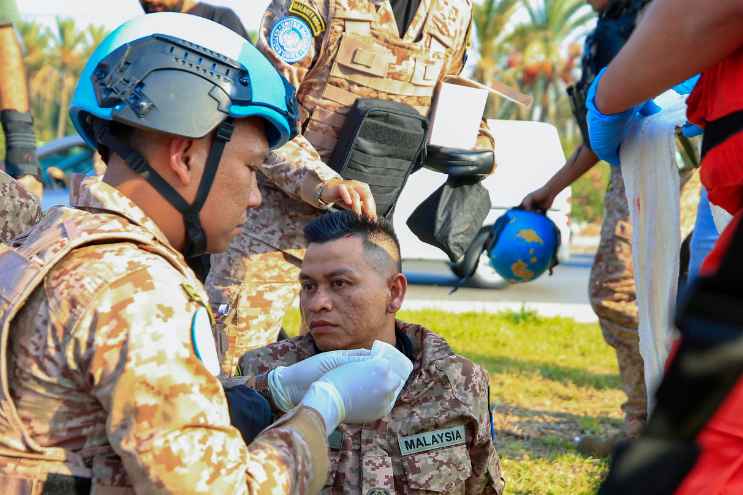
719	470
717	94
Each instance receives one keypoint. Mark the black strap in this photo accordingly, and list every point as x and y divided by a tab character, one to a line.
62	484
195	236
718	131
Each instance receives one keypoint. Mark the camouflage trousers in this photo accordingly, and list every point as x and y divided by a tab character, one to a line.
613	298
254	282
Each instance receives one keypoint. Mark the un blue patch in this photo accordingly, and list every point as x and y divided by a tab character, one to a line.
291	39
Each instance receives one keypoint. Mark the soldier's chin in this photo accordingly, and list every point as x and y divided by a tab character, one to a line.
326	340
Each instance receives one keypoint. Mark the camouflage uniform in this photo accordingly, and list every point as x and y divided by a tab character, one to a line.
19	209
102	378
357	52
612	294
443	391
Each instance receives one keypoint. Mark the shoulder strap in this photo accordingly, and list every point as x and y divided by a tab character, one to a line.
24	268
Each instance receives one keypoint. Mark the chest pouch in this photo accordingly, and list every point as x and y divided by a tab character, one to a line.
380	143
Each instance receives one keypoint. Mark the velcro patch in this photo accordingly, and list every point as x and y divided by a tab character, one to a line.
290	39
432	440
309	14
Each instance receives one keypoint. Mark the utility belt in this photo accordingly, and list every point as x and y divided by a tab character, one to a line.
381	143
718	131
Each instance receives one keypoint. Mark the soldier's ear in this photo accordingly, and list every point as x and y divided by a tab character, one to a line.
181	160
397	286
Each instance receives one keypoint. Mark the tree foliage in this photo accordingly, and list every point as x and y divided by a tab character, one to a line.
54	58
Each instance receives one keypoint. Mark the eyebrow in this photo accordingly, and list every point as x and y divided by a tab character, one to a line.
335	273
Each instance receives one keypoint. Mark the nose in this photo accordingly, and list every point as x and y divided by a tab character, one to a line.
316	302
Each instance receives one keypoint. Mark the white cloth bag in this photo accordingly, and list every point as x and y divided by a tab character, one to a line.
651	180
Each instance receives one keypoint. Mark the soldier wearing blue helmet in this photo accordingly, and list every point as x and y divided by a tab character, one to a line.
107	354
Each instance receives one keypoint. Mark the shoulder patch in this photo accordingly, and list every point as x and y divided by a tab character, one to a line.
291	39
309	14
202	339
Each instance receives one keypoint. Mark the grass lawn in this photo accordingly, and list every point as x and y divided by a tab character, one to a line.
551	380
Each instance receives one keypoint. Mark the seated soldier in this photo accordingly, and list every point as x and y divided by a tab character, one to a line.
438	435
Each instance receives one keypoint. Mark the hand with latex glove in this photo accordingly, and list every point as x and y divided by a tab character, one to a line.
606	132
289	384
652	107
362	391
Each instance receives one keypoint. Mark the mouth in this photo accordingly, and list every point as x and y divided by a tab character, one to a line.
321	325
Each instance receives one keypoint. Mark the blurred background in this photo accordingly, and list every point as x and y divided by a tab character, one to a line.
534	45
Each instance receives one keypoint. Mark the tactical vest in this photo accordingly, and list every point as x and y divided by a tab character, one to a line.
25	466
362	56
614	27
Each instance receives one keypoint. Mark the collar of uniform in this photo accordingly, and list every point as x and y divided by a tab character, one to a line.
427	347
96	194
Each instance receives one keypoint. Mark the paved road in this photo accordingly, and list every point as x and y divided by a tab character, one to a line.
565	293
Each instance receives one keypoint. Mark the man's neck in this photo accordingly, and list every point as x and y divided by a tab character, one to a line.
387	334
142	194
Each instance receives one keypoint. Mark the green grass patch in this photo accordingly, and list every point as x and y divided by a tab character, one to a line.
551	380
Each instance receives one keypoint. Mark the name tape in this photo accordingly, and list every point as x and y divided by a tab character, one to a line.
431	440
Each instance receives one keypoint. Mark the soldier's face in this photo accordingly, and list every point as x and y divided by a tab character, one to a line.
235	188
151	6
344	300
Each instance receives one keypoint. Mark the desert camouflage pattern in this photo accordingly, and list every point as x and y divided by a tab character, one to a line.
101	366
444	390
613	298
255	281
612	288
19	209
361	55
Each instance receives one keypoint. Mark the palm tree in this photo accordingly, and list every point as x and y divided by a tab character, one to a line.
68	58
94	35
539	55
41	74
491	18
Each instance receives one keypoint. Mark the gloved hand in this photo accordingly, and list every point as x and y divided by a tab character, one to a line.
289	384
362	391
606	132
20	144
683	88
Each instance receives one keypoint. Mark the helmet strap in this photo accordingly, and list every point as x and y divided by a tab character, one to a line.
196	241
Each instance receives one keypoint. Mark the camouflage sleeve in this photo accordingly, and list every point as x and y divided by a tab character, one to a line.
167	415
486	477
19	209
296	167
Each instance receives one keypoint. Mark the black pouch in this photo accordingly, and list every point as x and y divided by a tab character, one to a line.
381	143
452	216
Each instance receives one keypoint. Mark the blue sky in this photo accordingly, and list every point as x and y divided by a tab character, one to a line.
111	13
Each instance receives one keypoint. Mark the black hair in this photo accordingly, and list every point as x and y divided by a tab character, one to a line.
381	245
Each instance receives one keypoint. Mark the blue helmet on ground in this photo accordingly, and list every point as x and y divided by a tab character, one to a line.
182	75
523	245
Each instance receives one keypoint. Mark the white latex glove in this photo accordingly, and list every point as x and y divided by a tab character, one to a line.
289	384
362	391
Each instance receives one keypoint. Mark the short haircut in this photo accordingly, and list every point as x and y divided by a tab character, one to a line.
381	246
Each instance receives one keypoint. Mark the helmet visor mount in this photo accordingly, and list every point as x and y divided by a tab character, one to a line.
174	86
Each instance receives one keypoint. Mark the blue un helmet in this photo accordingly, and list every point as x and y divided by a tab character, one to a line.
182	75
523	245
